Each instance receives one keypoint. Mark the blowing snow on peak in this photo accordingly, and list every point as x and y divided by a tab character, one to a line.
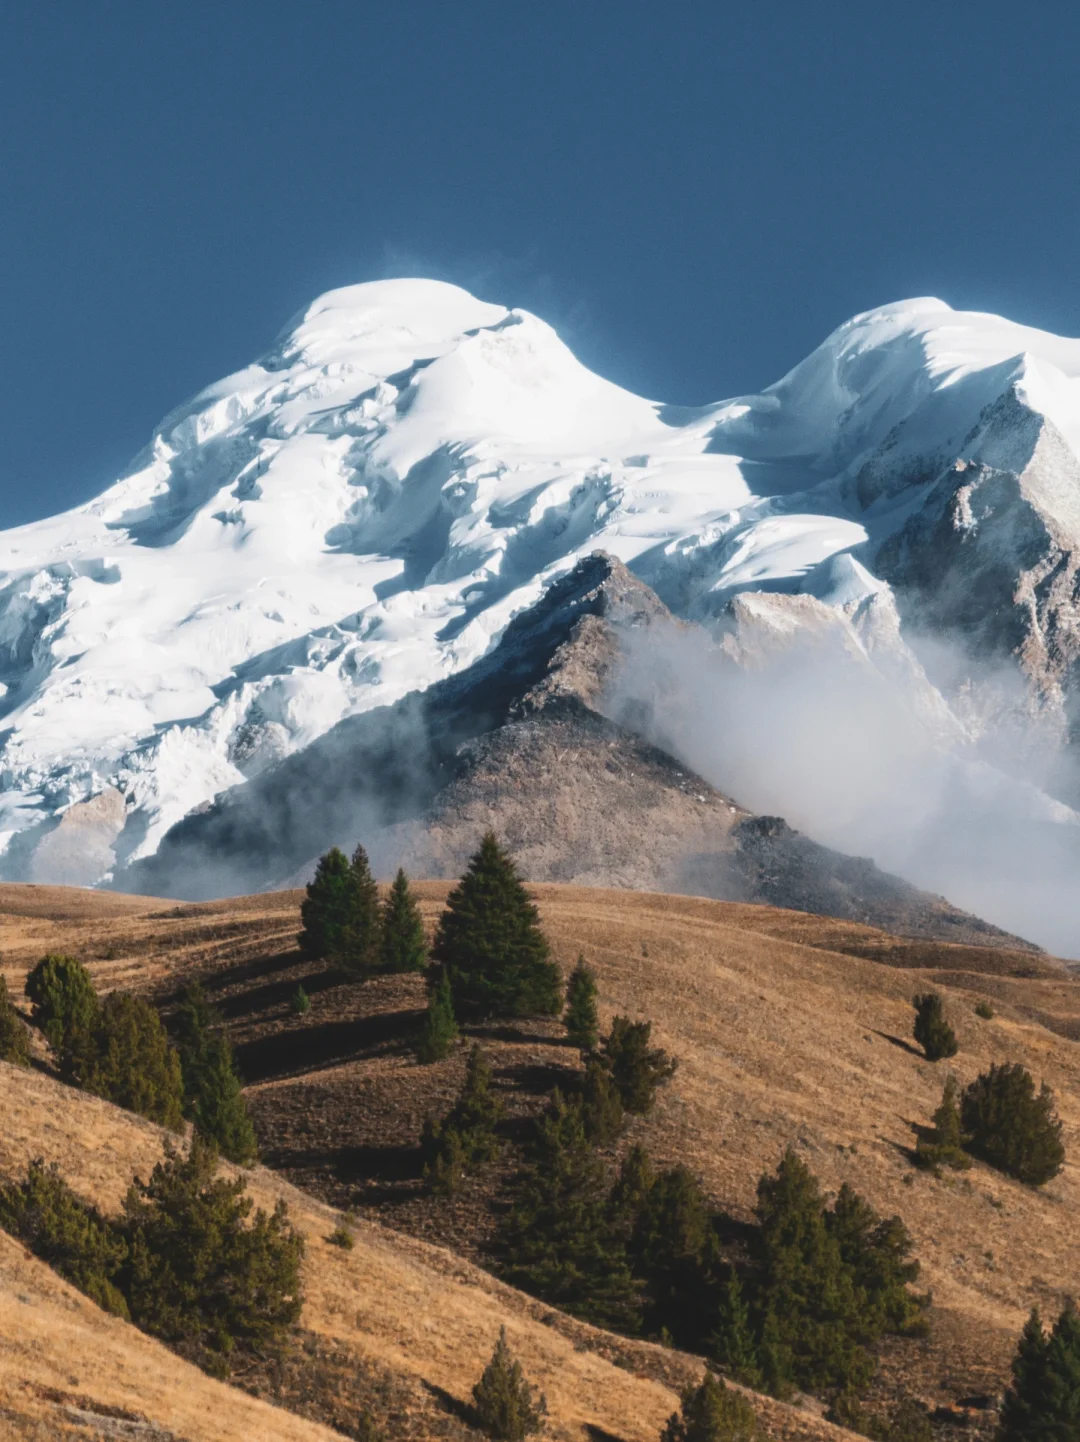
361	513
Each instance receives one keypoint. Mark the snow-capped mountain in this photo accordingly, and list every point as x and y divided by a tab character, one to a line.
361	512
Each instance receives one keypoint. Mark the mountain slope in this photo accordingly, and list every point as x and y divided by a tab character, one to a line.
360	514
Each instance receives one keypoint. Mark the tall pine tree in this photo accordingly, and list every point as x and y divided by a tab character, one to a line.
1044	1399
490	942
362	934
402	945
340	913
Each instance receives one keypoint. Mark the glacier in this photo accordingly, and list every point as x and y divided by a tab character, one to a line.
361	512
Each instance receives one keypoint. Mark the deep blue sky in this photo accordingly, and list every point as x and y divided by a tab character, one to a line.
694	194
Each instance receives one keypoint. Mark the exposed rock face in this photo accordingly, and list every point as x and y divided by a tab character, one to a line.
518	743
80	849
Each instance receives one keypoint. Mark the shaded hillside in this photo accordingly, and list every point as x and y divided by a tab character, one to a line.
519	742
789	1028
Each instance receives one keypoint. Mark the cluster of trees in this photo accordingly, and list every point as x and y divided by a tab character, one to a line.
345	923
118	1048
186	1260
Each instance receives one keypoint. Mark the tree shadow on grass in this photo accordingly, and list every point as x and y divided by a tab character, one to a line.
302	1049
395	1170
449	1403
903	1045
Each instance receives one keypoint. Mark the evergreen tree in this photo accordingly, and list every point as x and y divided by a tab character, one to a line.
734	1343
637	1068
134	1064
64	1005
808	1294
361	954
713	1413
327	909
14	1037
945	1148
1012	1127
602	1106
466	1138
67	1234
932	1031
580	1018
1043	1402
490	942
557	1239
877	1253
301	1002
440	1030
402	945
202	1273
503	1400
627	1196
213	1092
673	1248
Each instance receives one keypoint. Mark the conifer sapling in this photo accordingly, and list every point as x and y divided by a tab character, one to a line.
440	1030
14	1037
580	1018
932	1031
402	945
503	1401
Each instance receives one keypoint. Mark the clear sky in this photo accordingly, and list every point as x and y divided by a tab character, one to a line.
693	193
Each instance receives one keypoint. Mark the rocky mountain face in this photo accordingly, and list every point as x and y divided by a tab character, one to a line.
365	513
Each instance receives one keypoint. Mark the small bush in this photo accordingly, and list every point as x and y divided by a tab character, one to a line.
64	1005
1044	1398
713	1413
932	1031
301	1002
440	1030
637	1068
1011	1127
342	1237
945	1148
580	1018
66	1233
14	1037
367	1429
503	1400
402	945
134	1064
985	1010
202	1273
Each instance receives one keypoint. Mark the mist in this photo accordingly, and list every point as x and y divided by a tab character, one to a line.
856	759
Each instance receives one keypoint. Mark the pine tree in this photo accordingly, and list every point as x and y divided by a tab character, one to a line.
713	1413
402	945
202	1272
557	1239
945	1147
490	942
733	1343
64	1005
439	1031
877	1252
637	1069
361	953
673	1248
327	909
1043	1402
213	1092
580	1018
627	1196
932	1031
14	1037
503	1400
134	1064
1011	1127
602	1106
467	1137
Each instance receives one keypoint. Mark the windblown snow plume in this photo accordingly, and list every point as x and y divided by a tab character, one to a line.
361	513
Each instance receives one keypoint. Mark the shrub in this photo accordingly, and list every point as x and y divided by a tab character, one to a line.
14	1038
134	1064
985	1010
340	912
440	1030
342	1237
557	1239
580	1018
945	1148
66	1233
713	1413
490	942
201	1273
64	1005
402	945
932	1031
213	1092
503	1400
1044	1398
602	1106
1012	1127
636	1068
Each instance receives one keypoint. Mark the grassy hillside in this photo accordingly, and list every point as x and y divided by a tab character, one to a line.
789	1028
